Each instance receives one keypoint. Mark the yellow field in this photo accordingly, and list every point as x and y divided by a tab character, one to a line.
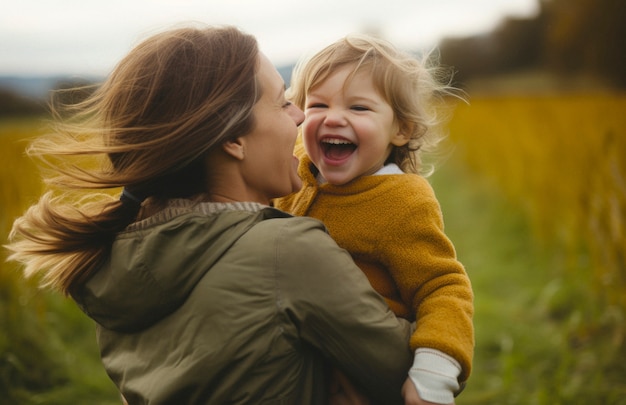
563	159
19	180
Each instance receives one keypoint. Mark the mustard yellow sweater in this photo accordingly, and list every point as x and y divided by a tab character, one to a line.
392	226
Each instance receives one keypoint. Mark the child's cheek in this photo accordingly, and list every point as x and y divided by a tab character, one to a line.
309	133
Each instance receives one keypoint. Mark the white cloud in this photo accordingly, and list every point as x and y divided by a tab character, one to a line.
86	37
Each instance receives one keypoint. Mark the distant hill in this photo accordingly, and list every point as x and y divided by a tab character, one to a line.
38	87
285	72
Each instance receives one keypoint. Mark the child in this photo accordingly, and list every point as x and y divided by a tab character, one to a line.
371	110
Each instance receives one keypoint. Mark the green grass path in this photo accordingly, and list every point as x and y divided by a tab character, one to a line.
538	338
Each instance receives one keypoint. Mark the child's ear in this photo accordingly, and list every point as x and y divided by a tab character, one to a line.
235	148
403	136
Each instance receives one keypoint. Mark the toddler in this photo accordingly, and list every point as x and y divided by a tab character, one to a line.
371	112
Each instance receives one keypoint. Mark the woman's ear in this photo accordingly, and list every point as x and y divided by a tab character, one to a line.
235	148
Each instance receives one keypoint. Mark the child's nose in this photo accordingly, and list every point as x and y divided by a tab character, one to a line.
334	117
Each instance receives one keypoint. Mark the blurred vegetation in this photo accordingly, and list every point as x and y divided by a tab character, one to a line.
566	38
13	104
536	206
48	352
64	92
563	161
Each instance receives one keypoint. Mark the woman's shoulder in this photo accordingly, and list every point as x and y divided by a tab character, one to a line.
280	223
293	235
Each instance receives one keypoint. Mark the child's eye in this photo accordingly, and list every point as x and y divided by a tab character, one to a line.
317	105
359	108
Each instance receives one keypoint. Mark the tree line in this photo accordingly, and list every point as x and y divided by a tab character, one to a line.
566	37
14	104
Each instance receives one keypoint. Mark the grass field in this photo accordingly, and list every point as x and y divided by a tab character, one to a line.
533	198
536	201
48	352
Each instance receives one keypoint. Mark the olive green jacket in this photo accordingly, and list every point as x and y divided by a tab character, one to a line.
208	303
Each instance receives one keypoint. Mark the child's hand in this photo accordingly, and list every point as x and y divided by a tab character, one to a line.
411	397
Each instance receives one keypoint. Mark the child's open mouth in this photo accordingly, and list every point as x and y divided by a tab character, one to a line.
337	148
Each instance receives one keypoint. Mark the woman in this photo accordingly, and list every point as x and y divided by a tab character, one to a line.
201	292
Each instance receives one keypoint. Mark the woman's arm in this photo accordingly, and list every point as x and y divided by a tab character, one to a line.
337	310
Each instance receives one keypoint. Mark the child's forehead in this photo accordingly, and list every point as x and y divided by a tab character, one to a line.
347	74
348	81
347	71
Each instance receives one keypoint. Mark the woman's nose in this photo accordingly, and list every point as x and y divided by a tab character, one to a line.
296	114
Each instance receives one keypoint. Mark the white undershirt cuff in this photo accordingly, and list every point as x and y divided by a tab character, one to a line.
435	375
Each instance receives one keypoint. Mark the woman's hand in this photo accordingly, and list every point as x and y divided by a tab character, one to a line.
411	397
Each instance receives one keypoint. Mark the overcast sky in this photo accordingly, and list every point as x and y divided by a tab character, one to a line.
86	37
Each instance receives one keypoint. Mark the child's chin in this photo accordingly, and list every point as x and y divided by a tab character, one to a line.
336	179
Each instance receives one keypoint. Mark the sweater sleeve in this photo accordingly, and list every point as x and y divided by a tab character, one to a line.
423	263
336	310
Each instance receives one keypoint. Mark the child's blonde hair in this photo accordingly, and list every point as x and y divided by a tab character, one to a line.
416	90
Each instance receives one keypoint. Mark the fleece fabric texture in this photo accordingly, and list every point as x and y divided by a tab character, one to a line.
392	226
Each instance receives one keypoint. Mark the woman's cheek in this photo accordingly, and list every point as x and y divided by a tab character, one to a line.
309	137
296	182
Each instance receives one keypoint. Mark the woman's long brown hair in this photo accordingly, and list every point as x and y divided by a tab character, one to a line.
147	128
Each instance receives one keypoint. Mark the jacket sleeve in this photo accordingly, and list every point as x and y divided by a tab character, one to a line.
337	311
